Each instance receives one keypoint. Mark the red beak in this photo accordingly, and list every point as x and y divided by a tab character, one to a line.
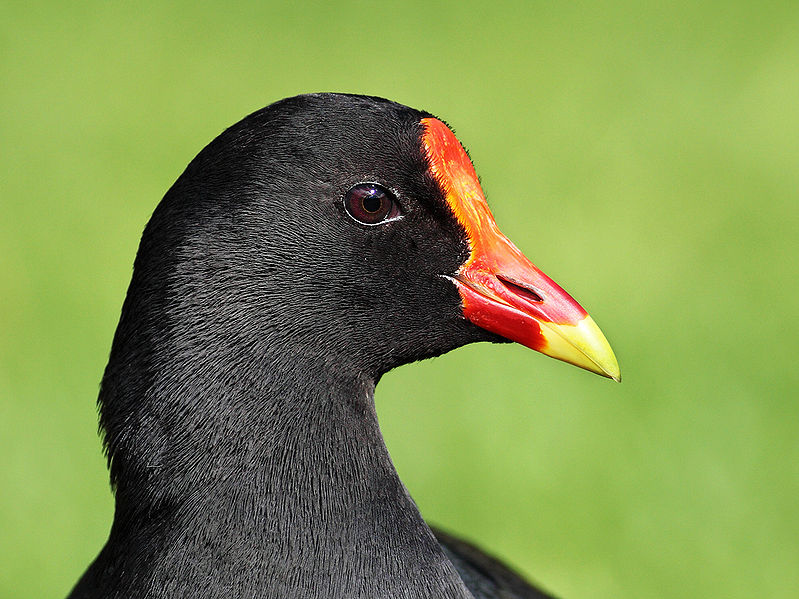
502	291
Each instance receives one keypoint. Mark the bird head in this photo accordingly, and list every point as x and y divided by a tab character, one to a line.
353	230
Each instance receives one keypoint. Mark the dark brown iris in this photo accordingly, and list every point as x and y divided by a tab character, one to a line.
370	204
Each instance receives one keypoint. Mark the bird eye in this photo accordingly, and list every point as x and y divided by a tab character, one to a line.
371	204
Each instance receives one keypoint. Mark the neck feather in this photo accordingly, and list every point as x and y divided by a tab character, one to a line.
277	482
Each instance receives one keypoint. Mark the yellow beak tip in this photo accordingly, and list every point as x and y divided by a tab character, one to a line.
583	345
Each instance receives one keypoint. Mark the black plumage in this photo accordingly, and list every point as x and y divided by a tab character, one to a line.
237	405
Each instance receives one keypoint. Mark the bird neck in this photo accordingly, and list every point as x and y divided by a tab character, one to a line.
277	480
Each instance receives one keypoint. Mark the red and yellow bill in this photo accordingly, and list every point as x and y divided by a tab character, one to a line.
501	290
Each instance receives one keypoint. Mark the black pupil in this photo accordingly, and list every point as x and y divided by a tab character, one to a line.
372	203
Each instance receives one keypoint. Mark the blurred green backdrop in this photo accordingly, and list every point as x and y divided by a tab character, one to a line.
645	157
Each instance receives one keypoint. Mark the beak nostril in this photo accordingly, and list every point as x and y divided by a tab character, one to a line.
524	291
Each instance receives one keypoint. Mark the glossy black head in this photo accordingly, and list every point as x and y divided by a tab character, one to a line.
325	238
312	230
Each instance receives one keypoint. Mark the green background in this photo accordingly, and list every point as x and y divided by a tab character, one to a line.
647	158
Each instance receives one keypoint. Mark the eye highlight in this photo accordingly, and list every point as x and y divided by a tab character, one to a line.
371	204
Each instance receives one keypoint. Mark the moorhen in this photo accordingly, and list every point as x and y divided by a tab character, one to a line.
307	250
